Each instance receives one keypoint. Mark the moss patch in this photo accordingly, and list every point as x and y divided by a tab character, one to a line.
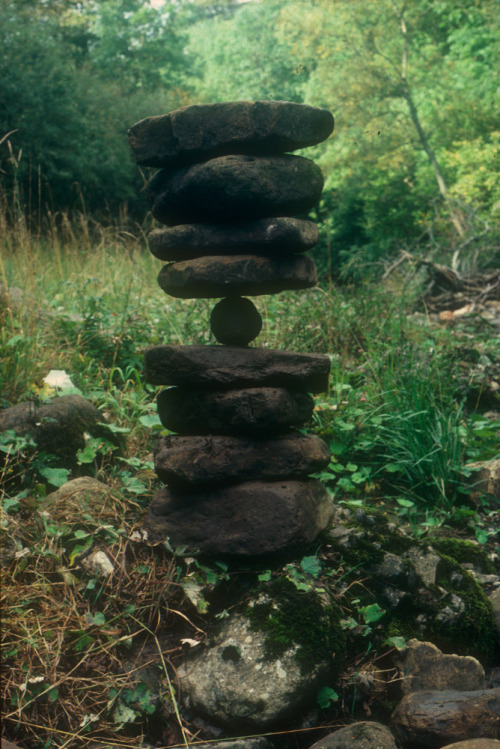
292	618
464	552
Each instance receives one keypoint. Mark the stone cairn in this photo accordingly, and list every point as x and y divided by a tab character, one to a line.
237	471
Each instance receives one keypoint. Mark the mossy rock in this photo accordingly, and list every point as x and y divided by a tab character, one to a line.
304	620
464	552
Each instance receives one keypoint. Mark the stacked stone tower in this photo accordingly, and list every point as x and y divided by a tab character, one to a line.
237	471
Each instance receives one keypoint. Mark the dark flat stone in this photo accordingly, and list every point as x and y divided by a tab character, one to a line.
212	277
236	367
235	321
248	519
216	460
201	132
235	188
266	236
263	410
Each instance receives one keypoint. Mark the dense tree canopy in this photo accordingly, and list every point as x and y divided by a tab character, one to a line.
412	84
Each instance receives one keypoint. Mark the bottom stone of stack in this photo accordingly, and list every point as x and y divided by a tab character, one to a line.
250	519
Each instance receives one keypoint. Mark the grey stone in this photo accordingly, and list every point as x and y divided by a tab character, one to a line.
263	410
425	562
434	718
237	680
267	236
209	277
362	735
485	479
236	367
215	460
235	188
495	600
235	321
424	666
200	132
58	426
249	519
474	744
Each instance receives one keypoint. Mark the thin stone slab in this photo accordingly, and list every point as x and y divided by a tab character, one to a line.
263	410
201	132
249	519
215	460
267	236
236	367
235	188
214	277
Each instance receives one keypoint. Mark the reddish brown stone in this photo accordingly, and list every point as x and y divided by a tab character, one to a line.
215	460
235	188
236	367
200	132
249	519
435	718
211	277
262	410
235	321
266	236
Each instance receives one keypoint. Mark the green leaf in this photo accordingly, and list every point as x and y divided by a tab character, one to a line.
55	476
326	695
405	502
98	619
87	455
264	577
151	421
371	613
397	642
311	566
481	536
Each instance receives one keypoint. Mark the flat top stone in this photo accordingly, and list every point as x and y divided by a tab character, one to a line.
202	131
234	366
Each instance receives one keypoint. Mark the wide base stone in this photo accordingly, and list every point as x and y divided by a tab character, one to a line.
235	188
266	236
202	131
218	276
250	519
236	367
263	410
215	460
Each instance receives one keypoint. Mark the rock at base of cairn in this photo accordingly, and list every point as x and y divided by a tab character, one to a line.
216	460
200	132
235	321
260	410
235	188
209	277
236	367
254	518
280	236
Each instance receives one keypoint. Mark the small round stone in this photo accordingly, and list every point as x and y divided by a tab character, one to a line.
235	321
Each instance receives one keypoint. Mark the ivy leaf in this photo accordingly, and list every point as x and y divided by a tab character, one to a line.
311	566
55	476
326	695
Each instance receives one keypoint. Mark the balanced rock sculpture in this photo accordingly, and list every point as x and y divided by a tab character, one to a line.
237	471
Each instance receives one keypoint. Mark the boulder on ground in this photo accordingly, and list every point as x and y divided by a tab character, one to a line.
260	410
220	276
236	367
249	519
235	188
434	718
202	131
280	236
58	426
265	662
474	744
362	735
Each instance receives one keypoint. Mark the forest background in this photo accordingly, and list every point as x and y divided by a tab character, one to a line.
413	85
